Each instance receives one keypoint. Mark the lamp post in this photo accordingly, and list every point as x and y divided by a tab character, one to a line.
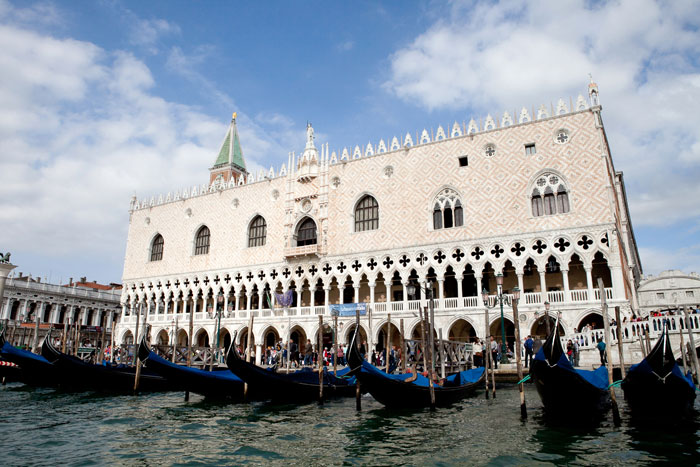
411	290
219	310
546	317
500	298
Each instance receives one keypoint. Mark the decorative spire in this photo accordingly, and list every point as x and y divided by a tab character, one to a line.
231	152
593	91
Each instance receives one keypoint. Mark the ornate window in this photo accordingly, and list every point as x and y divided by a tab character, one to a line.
257	232
367	214
306	233
447	210
201	246
157	248
549	196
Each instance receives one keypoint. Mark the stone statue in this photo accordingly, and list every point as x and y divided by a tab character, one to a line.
309	136
5	258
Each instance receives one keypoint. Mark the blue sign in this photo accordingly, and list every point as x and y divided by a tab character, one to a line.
348	309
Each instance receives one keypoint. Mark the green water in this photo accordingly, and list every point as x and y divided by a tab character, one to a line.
48	427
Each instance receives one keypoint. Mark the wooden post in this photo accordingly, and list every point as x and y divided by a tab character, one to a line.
289	339
442	354
387	342
191	331
248	345
619	342
334	356
693	352
648	341
319	358
487	350
423	338
64	336
519	363
608	353
402	345
111	341
683	359
431	341
103	344
137	377
172	357
358	392
641	344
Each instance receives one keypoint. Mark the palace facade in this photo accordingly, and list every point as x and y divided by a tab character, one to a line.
533	197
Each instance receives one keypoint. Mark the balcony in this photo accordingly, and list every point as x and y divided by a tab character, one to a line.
306	250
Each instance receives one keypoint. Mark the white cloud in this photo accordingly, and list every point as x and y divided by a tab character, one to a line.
655	260
147	32
643	54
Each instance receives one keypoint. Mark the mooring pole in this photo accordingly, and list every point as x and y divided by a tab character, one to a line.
608	353
358	392
442	353
486	350
519	364
402	345
319	358
693	353
683	359
335	346
248	345
387	341
619	342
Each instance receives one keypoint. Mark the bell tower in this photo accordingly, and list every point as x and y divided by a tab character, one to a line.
229	163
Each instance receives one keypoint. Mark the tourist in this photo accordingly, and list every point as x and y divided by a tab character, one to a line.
570	352
601	349
340	355
577	343
308	353
528	350
494	352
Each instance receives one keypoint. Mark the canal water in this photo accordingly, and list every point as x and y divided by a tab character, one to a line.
48	427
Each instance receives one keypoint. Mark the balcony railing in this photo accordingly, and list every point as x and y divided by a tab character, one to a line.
305	250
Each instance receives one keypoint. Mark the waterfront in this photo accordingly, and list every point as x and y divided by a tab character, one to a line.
43	426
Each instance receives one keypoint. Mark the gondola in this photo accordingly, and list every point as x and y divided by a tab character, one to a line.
218	384
656	387
396	391
299	386
34	370
76	375
566	390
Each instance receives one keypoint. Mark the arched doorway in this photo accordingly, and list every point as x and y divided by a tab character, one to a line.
495	331
271	337
381	337
592	320
202	338
350	331
462	331
416	333
539	327
128	338
298	336
224	338
182	338
162	338
243	339
327	337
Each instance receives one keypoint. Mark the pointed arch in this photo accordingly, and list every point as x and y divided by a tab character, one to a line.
202	238
257	232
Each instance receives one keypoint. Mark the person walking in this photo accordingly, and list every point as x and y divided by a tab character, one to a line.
494	353
308	353
528	349
601	349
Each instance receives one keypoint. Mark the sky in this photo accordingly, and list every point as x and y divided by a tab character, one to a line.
101	100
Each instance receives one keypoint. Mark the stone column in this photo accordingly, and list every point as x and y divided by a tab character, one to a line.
26	310
157	306
225	311
441	293
372	285
521	285
460	288
237	303
300	290
249	299
387	284
258	353
589	282
543	286
312	298
618	288
261	297
565	281
479	288
404	284
8	309
326	296
357	293
167	306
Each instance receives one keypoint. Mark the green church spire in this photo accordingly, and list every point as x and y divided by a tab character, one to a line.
230	152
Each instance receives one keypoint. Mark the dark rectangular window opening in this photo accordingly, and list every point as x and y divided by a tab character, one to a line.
530	149
463	161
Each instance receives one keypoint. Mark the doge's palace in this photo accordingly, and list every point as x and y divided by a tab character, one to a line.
532	196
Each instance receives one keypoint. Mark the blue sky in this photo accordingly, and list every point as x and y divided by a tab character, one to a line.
104	99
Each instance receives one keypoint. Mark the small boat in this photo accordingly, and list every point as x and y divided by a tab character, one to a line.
75	374
299	386
34	370
656	386
566	390
219	384
409	390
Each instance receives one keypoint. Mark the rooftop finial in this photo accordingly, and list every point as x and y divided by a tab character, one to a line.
233	117
309	136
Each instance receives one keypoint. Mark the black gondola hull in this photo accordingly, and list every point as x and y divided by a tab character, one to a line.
220	384
564	392
300	386
647	395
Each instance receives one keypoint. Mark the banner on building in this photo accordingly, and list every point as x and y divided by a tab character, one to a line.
348	309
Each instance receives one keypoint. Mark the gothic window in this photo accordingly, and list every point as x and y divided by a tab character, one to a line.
447	210
530	149
201	246
157	248
306	234
257	232
367	214
549	196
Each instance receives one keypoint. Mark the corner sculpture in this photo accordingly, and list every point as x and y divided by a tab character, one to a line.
5	258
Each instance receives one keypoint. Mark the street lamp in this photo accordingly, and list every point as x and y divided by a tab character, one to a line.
219	309
411	290
500	298
546	317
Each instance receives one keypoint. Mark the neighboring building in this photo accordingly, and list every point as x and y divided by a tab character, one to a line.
668	291
28	300
534	197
